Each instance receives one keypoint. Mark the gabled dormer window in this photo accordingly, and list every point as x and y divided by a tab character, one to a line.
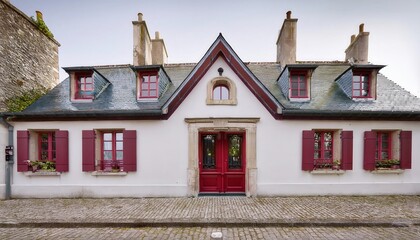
361	85
298	83
295	82
84	88
148	85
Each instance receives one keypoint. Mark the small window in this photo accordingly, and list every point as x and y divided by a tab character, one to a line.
298	85
323	149
84	87
361	85
220	92
149	85
46	149
112	151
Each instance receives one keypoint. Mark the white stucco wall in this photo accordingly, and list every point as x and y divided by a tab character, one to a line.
162	154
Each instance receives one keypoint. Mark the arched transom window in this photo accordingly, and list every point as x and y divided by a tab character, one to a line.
221	91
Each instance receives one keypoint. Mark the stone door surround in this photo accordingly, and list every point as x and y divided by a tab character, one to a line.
197	125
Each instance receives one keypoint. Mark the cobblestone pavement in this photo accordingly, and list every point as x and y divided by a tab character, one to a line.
325	211
205	233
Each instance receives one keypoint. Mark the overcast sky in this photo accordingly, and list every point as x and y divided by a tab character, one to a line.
99	32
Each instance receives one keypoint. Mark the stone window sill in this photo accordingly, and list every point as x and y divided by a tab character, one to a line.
327	172
42	173
387	171
99	173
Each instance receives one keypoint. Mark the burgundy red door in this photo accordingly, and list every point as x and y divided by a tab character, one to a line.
222	162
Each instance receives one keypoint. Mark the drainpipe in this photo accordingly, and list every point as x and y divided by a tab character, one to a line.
9	166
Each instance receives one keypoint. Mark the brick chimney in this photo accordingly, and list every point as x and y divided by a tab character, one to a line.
357	51
142	46
159	54
286	42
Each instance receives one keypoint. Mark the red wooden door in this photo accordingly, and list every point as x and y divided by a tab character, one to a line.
222	162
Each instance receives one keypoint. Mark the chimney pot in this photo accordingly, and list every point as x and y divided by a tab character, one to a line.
39	15
140	17
361	28
288	14
352	38
157	35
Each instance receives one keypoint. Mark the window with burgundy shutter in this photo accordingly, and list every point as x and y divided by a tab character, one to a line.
50	151
321	148
387	149
117	148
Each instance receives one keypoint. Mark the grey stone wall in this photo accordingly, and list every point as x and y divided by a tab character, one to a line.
28	58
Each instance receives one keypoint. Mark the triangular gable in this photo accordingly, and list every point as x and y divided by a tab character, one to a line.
220	48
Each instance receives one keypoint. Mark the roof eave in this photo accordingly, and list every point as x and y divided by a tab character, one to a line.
350	115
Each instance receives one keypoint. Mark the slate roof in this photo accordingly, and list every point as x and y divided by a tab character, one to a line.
326	96
118	100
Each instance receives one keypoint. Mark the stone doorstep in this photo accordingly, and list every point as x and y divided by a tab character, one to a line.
219	223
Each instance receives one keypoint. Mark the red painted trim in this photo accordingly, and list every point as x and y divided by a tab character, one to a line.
62	151
308	149
142	74
221	50
360	83
379	147
305	80
83	87
22	150
50	143
369	150
406	149
347	150
88	150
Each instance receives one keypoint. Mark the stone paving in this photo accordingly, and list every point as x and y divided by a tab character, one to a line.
205	233
343	211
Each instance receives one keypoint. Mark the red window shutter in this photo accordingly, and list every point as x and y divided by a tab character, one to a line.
308	143
369	150
130	150
405	150
22	150
88	150
62	151
347	150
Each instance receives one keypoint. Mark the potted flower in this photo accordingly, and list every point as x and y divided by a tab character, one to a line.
34	165
115	167
336	164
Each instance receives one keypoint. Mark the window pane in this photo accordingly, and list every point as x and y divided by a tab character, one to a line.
327	154
235	142
356	78
295	85
119	155
107	145
107	136
225	93
294	78
152	93
89	80
44	155
153	78
385	155
119	146
145	79
356	93
356	86
153	86
302	93
107	155
119	136
317	155
209	158
294	92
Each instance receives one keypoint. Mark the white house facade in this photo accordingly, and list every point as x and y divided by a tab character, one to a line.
220	126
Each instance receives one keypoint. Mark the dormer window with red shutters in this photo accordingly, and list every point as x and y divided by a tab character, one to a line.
148	85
